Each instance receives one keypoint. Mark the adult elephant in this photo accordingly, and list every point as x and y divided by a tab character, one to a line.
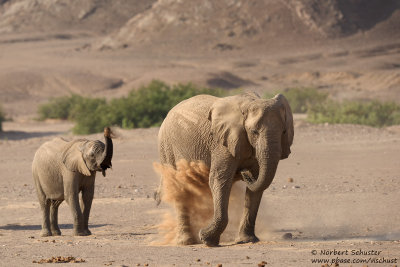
236	137
61	170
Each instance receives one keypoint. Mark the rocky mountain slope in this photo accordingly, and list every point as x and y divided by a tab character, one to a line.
230	24
105	48
99	16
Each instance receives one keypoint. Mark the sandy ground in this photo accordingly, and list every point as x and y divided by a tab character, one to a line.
344	197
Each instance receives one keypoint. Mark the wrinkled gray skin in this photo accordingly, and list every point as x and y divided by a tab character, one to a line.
61	170
237	136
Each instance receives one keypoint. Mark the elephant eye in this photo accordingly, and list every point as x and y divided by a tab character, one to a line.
254	132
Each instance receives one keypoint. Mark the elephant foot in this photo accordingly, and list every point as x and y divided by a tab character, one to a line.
87	232
185	240
55	232
45	233
247	239
208	239
82	233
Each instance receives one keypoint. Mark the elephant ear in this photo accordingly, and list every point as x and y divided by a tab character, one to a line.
227	125
72	157
287	118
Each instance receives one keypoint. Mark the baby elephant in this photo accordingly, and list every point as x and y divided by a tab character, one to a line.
61	170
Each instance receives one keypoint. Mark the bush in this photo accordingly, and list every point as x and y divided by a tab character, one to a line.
60	107
149	105
373	113
90	115
320	109
301	99
145	107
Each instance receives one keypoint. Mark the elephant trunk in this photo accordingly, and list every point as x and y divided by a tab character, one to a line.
268	163
105	160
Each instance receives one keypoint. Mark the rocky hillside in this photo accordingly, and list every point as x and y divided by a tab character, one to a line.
229	24
99	16
49	48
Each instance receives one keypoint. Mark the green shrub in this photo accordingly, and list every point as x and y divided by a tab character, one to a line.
149	105
301	99
320	109
145	107
91	115
60	107
373	113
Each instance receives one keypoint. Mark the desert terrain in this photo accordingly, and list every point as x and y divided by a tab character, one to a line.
344	196
343	193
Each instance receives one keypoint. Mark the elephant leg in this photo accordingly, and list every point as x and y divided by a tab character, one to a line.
45	207
86	204
184	234
247	225
220	183
55	230
73	202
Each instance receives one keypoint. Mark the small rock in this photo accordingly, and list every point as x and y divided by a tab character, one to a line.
198	260
219	265
247	257
287	236
290	180
284	187
296	187
262	264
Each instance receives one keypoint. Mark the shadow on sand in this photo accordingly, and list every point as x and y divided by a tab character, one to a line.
18	227
20	135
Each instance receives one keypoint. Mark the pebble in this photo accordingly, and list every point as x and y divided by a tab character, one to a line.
287	236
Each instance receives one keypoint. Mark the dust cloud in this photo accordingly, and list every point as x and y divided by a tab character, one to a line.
187	188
